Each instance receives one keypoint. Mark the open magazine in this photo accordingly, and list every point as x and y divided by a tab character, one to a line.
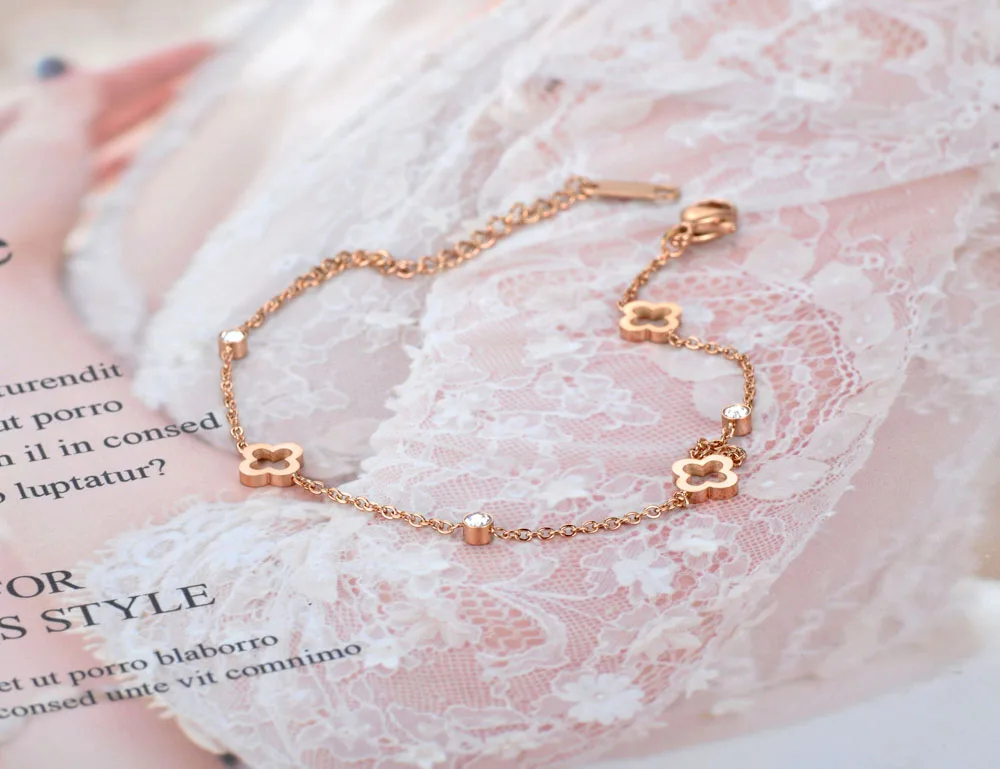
513	384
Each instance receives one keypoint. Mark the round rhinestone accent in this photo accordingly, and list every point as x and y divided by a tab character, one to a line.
736	411
233	336
478	520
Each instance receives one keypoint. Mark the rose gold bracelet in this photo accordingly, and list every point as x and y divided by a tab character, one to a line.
707	473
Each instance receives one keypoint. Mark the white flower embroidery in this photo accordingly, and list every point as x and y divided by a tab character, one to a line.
550	484
700	680
693	542
565	488
426	620
846	46
581	395
461	410
388	319
549	347
667	635
425	756
510	745
413	561
652	581
383	652
602	699
517	426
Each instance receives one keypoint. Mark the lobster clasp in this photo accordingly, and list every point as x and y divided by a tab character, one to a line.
710	219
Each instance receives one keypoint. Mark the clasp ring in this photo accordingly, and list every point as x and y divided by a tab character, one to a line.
710	219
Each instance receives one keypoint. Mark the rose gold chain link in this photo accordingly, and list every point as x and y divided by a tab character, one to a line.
729	353
229	399
577	188
679	501
705	447
367	506
673	244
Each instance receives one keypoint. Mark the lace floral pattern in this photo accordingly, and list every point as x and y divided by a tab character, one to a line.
856	139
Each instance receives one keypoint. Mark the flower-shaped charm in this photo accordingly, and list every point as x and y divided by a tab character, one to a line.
714	464
635	325
267	465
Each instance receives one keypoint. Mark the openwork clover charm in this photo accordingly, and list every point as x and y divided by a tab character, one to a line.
635	328
713	464
267	465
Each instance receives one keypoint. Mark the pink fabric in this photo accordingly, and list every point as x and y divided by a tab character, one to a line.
856	140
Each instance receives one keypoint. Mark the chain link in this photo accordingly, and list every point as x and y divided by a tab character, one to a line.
679	501
729	353
575	189
365	505
229	399
673	244
704	447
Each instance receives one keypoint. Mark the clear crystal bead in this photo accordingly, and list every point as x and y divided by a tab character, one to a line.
233	336
736	411
478	520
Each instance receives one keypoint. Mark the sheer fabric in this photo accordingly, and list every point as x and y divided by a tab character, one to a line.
857	140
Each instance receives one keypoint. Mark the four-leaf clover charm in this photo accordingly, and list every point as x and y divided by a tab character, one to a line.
635	328
713	464
267	465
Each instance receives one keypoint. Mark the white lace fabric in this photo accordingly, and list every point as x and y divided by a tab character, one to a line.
856	140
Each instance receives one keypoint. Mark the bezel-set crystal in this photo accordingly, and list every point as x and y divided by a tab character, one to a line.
478	528
236	339
737	415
